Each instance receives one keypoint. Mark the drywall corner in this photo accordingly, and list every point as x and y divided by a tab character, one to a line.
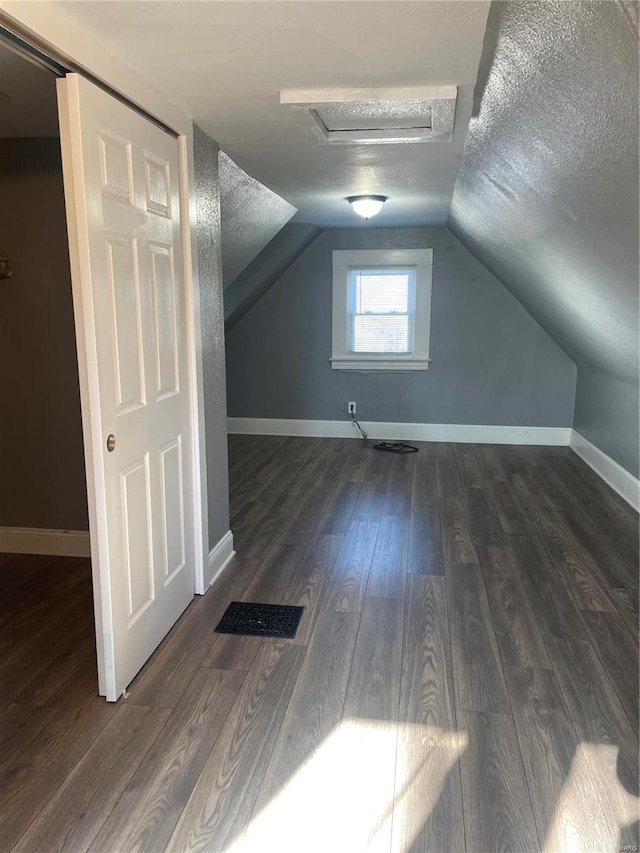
212	322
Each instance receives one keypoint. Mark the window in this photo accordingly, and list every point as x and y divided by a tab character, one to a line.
381	309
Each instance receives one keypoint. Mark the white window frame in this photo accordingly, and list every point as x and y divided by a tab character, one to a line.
343	261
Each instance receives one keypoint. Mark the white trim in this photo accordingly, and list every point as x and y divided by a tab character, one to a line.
620	480
463	433
396	93
354	362
194	362
36	540
220	557
345	259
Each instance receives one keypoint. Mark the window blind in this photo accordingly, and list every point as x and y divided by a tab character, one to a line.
381	310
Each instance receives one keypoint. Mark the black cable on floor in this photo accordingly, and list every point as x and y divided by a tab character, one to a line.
389	446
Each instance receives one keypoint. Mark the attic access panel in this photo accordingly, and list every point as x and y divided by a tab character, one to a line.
387	115
375	116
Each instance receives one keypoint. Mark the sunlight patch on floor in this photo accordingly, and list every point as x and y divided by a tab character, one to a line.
342	798
426	760
593	807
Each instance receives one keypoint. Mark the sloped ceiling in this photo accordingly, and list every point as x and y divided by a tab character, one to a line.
547	192
250	216
265	269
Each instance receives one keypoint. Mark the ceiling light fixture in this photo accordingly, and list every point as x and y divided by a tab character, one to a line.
367	205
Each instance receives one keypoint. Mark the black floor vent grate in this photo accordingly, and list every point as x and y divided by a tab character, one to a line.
260	620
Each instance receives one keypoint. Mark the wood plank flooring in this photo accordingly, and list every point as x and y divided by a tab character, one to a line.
465	675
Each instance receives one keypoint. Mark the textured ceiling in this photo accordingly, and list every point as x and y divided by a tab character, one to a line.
229	61
33	109
250	215
547	192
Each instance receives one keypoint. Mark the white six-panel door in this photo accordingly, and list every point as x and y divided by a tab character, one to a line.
123	207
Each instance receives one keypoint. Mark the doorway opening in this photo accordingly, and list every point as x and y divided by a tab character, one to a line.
131	367
48	621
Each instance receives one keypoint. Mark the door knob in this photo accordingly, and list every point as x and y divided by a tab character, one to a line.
111	442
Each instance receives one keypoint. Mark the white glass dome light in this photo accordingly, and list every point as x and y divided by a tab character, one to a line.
367	205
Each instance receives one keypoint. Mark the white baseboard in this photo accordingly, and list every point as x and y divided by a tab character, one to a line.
219	557
35	540
624	483
620	480
463	433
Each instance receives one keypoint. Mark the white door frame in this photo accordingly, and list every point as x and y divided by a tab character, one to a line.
75	49
196	379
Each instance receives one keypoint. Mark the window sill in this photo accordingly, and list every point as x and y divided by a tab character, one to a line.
355	363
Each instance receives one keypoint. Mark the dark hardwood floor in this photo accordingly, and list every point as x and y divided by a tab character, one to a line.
465	676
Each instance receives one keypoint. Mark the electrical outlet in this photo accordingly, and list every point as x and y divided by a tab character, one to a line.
351	407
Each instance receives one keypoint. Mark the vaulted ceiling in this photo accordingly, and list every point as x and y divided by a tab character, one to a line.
543	158
547	193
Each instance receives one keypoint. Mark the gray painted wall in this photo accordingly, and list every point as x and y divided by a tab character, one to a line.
607	414
492	363
251	215
547	193
266	268
42	479
212	323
